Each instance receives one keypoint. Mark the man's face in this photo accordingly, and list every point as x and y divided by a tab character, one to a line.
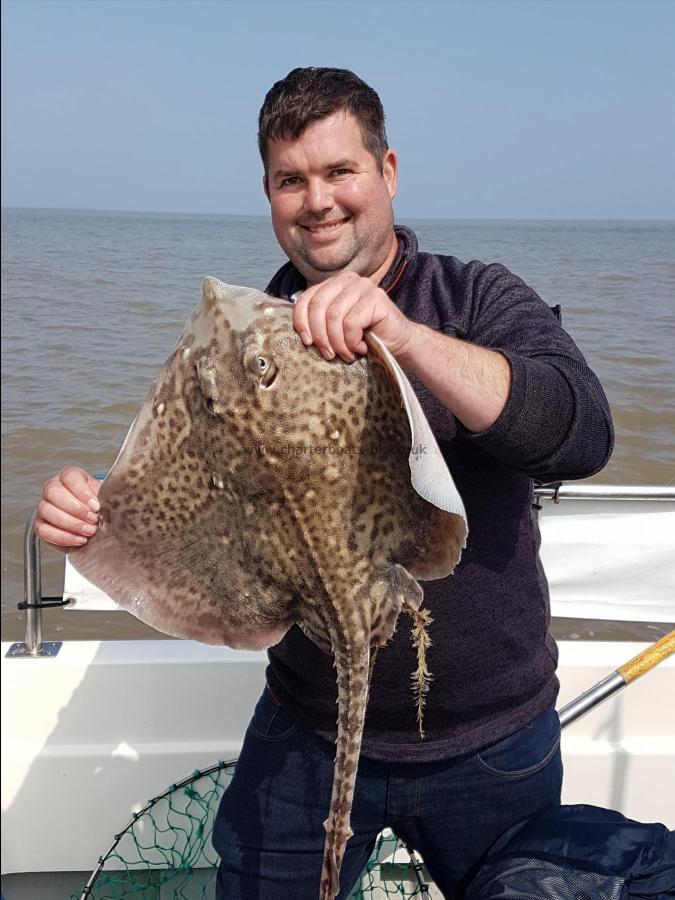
331	205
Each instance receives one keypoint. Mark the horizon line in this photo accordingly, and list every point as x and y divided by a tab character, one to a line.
159	212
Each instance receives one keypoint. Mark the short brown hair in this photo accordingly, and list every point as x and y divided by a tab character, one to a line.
306	95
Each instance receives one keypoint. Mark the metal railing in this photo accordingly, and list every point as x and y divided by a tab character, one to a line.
34	602
561	491
32	587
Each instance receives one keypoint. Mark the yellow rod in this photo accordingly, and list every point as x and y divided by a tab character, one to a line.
652	656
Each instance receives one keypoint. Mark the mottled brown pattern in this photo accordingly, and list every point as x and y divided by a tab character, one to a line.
262	487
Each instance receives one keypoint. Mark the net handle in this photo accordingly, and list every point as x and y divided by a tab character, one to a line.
650	658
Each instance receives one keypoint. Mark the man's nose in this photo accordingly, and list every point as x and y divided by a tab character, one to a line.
318	197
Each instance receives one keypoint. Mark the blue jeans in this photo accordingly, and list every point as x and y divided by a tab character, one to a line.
269	830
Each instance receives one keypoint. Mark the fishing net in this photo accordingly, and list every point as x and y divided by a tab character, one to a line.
165	851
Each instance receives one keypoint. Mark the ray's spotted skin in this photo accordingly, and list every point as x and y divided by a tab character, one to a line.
260	487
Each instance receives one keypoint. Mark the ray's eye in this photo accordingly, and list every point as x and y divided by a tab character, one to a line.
269	374
265	368
208	403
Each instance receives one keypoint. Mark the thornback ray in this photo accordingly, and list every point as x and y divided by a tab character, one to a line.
261	487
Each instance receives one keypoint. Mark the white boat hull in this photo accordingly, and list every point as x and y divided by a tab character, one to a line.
91	734
107	725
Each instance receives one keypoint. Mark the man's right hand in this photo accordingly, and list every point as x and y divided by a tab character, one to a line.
67	512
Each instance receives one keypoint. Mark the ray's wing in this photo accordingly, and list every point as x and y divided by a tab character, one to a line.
179	529
194	580
444	522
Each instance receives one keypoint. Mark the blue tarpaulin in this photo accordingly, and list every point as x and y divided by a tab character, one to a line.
578	853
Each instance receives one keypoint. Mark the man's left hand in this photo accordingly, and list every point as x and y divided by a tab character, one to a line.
334	314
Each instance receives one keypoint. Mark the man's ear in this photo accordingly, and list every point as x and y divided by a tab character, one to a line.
390	171
266	187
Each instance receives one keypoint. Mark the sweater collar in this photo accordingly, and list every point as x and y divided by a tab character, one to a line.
288	280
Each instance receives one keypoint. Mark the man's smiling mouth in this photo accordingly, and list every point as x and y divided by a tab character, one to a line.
324	227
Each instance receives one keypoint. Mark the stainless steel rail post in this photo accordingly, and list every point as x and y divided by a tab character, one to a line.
32	588
33	646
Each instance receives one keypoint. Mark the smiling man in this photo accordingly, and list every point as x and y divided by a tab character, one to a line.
510	399
331	199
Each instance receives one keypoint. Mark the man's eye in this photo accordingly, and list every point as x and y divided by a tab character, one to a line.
289	182
339	172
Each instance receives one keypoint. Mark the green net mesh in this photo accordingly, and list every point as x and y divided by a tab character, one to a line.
165	851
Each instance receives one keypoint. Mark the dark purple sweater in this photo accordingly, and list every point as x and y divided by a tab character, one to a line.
492	658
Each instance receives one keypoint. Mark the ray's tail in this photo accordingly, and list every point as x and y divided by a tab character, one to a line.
352	664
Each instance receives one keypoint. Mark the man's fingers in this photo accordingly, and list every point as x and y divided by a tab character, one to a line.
54	516
62	540
309	315
336	316
81	484
300	322
313	304
60	529
58	494
326	309
94	485
359	318
67	512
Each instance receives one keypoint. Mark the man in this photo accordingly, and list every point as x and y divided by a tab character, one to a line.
509	398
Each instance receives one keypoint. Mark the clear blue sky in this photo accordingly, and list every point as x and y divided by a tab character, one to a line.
538	109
